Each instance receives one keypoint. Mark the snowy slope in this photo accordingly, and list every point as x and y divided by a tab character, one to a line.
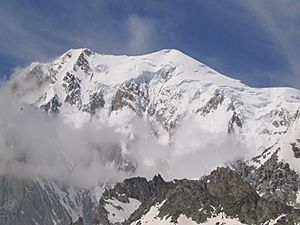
119	211
151	218
164	88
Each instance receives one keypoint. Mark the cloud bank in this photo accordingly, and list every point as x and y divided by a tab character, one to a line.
33	144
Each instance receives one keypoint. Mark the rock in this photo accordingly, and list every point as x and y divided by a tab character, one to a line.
212	104
72	88
133	95
52	107
296	149
83	64
223	191
78	222
96	102
235	120
28	201
273	180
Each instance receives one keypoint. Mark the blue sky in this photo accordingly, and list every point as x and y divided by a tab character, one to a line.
257	42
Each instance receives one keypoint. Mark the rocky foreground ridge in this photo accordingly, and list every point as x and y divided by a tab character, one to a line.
222	197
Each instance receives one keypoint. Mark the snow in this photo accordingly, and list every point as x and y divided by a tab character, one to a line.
286	154
70	198
151	218
284	148
274	222
222	219
189	86
298	197
67	198
120	211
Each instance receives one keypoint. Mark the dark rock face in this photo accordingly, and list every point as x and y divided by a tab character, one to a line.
234	120
273	180
296	148
283	118
222	191
133	95
27	202
80	221
52	107
72	88
212	104
36	75
88	52
83	64
161	110
167	72
96	102
138	188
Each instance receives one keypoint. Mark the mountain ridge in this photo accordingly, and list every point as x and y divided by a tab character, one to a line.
137	80
222	197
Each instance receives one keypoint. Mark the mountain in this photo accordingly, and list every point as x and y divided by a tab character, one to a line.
164	88
175	98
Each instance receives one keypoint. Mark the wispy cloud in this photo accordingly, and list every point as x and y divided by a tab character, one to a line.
141	34
37	32
281	22
28	34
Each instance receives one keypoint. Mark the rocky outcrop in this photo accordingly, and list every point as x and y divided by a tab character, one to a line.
80	221
223	191
133	95
137	188
35	201
36	75
212	104
273	180
296	148
96	101
83	64
72	88
52	107
234	121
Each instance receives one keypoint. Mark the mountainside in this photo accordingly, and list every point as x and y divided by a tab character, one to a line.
219	198
164	88
26	201
184	104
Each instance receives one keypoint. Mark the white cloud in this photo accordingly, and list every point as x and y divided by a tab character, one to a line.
34	144
194	153
141	34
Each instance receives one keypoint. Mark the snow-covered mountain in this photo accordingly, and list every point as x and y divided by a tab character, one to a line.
164	88
167	90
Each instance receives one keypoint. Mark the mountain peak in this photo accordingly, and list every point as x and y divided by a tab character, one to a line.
87	51
164	87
